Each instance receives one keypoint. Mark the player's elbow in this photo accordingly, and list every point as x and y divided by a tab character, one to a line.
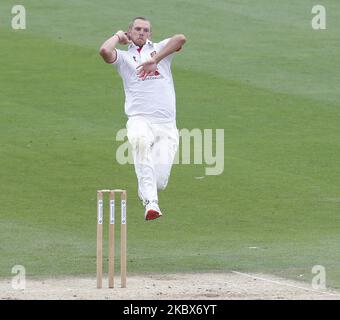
106	55
181	39
103	52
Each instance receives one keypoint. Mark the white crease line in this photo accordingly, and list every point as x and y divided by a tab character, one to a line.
285	284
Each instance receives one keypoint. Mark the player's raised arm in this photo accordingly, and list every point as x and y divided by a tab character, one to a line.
174	44
108	48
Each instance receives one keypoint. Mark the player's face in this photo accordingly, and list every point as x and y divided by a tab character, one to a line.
140	32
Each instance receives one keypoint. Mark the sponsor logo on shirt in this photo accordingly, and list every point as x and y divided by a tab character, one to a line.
156	75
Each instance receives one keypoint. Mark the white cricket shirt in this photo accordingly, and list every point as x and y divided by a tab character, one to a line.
154	97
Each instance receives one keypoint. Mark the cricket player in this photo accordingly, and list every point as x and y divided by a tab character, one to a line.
150	105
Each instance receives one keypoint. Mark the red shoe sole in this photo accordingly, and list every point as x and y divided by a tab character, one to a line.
152	214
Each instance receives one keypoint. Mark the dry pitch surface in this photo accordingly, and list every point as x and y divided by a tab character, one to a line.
215	286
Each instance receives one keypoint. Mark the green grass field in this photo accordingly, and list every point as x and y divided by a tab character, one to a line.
256	69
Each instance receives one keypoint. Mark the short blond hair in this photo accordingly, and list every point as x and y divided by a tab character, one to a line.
138	18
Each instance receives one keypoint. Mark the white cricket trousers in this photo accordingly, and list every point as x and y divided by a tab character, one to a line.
154	147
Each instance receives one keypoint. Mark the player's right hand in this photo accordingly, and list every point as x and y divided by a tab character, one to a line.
123	37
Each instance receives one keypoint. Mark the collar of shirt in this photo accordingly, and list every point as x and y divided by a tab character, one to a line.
133	46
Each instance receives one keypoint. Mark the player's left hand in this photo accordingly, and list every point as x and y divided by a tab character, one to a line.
147	68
